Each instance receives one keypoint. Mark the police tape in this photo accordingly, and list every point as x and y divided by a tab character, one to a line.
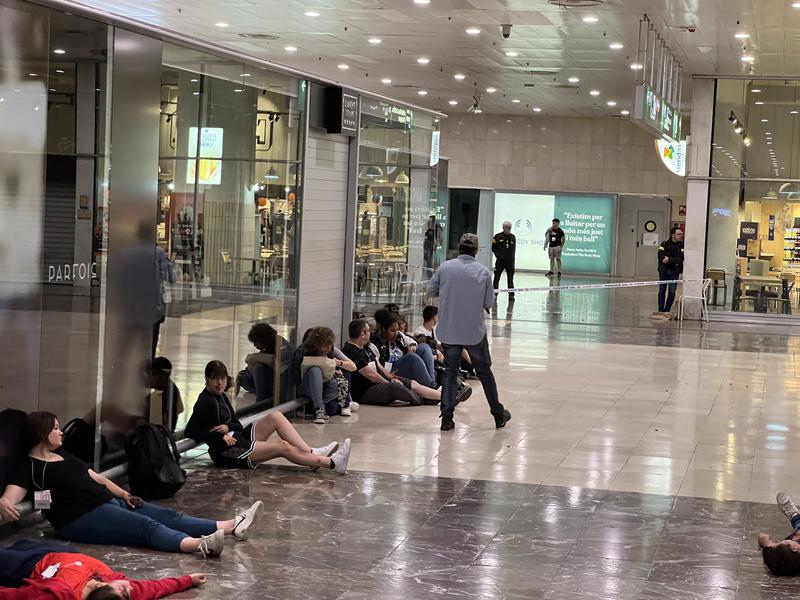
597	286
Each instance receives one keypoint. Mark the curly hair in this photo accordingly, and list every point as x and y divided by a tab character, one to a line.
262	336
318	339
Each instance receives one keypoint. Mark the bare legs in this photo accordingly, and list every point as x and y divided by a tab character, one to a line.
290	446
426	392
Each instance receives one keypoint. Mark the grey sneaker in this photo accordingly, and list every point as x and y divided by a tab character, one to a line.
212	544
341	457
326	450
346	411
246	519
786	505
321	417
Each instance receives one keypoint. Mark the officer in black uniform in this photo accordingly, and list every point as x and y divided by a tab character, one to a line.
504	248
670	267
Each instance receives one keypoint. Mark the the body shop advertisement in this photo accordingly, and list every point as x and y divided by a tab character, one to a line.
587	222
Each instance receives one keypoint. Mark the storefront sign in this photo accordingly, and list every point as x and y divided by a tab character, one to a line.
341	111
435	137
673	155
771	235
653	113
587	221
748	230
210	148
71	272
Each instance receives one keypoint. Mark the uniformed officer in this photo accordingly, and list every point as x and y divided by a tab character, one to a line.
504	248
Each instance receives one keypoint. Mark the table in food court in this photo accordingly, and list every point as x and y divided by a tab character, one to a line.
762	282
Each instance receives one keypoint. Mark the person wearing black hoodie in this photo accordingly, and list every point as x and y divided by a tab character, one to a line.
670	267
231	445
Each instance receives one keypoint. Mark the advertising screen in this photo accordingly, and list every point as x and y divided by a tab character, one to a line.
587	221
210	147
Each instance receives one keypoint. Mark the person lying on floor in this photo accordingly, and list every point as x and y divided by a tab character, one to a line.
83	506
233	446
29	568
782	557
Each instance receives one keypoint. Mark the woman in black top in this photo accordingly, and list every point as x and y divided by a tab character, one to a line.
230	445
395	356
86	507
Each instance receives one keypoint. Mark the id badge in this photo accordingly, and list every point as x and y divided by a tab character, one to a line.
42	500
388	366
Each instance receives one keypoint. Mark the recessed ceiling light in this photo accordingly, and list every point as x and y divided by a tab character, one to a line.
238	90
221	24
793	112
491	90
796	5
537	109
52	89
516	101
61	71
595	92
33	74
765	120
195	93
374	41
344	66
245	74
590	19
290	48
624	113
512	53
473	31
748	58
422	1
59	51
194	80
769	143
755	91
459	76
616	46
574	79
423	61
312	13
452	102
759	103
636	66
386	81
611	103
423	92
742	35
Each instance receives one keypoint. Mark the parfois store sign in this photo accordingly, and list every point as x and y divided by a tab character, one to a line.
673	155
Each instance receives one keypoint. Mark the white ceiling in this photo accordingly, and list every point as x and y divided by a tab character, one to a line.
546	37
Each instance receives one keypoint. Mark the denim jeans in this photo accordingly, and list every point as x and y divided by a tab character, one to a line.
312	386
482	361
18	560
665	300
150	526
418	366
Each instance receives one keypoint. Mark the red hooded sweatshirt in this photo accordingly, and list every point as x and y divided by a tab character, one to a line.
75	570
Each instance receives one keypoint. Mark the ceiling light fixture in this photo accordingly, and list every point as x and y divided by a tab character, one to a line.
512	53
60	71
742	35
421	2
748	58
624	113
759	103
423	92
747	141
291	48
423	61
459	76
59	51
452	102
491	90
636	66
516	101
590	19
765	120
537	109
595	92
33	75
793	112
238	90
194	80
574	79
616	46
386	81
374	41
312	13
221	24
245	74
344	66
796	5
755	91
473	31
611	103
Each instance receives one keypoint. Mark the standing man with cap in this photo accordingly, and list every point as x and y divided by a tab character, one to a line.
504	248
465	292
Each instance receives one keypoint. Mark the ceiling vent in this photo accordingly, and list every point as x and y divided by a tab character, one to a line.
575	3
259	36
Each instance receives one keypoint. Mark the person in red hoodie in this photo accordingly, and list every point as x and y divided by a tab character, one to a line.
75	576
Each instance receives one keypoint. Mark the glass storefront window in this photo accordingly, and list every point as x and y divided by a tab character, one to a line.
754	217
398	243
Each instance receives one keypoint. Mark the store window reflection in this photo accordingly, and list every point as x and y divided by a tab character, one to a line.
753	249
400	227
228	209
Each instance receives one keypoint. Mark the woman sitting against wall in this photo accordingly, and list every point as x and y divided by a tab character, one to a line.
86	507
413	362
231	445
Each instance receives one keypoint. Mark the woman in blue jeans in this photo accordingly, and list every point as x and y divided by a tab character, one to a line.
413	362
84	506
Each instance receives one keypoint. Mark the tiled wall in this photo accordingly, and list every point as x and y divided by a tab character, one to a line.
543	153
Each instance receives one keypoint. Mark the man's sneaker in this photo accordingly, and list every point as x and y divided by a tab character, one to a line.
447	424
548	274
500	422
212	544
786	505
326	450
321	417
463	394
246	519
354	406
341	457
345	412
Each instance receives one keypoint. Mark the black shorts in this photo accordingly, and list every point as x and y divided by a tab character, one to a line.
238	455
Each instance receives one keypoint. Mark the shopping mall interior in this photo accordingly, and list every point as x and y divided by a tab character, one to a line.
187	182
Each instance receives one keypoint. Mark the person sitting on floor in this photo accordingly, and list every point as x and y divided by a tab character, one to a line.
426	333
373	384
259	376
321	375
29	568
783	557
397	357
231	445
83	506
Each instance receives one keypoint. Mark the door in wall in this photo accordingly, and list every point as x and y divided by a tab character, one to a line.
650	231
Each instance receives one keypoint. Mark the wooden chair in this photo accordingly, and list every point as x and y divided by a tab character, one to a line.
740	296
718	282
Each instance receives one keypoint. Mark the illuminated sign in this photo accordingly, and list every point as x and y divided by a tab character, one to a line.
673	155
210	148
435	137
653	113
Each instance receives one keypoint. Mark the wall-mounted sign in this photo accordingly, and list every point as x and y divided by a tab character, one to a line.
84	212
673	155
210	148
341	111
650	240
435	138
771	235
748	230
653	113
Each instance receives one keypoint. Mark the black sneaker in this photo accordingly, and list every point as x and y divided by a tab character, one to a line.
548	274
500	422
447	424
463	394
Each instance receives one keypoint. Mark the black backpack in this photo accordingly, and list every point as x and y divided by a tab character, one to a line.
154	470
12	447
79	440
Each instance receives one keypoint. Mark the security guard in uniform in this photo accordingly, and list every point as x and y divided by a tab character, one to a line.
504	248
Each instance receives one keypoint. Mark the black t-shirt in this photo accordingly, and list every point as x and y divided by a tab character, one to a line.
556	237
74	493
362	357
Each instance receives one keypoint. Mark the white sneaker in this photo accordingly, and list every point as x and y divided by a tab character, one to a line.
786	505
212	544
346	411
246	519
326	450
354	406
321	417
341	458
